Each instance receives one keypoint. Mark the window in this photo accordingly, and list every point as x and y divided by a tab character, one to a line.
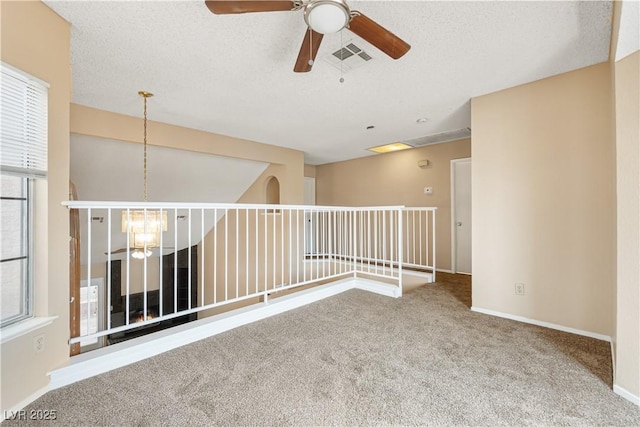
15	259
23	158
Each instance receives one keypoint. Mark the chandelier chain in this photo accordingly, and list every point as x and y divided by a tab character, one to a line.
144	167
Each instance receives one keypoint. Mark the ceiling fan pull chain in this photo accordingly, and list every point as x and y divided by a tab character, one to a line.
341	53
310	46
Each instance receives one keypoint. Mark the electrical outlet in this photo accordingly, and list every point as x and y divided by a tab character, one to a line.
38	344
519	288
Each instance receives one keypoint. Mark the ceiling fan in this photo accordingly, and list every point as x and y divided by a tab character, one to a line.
322	17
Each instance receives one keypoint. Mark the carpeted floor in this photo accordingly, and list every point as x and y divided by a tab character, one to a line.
362	359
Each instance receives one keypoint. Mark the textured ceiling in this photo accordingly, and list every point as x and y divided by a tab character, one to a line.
233	74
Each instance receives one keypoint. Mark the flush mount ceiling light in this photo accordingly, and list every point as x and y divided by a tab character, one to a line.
396	146
327	16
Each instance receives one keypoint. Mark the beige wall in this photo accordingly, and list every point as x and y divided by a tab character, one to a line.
627	98
396	179
104	124
309	171
544	200
36	40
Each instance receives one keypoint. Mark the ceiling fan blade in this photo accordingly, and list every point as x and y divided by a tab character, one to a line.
308	50
378	36
123	250
118	251
225	7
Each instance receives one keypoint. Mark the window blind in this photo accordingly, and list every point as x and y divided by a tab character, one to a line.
23	120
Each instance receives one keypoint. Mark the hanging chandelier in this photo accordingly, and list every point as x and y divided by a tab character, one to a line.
144	226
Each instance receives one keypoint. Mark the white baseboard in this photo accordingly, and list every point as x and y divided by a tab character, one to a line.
15	409
543	324
377	287
626	394
115	356
415	273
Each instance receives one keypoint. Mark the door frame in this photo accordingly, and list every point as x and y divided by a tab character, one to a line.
454	247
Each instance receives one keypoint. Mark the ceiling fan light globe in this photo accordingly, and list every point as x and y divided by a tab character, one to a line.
327	16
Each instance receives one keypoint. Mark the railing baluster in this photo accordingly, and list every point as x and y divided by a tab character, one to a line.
420	236
88	299
384	242
367	246
290	279
127	308
237	243
324	246
316	239
282	281
305	244
273	228
433	242
400	251
108	303
246	250
144	269
215	262
257	245
353	241
202	258
160	287
298	245
266	254
375	240
392	240
226	254
175	262
189	215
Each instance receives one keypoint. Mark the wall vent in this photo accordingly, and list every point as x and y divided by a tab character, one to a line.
348	57
452	135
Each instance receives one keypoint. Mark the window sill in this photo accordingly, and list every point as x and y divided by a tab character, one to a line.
22	328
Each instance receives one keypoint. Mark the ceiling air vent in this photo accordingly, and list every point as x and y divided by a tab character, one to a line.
348	58
451	135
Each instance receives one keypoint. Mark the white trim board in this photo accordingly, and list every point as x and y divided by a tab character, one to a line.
115	356
541	323
626	394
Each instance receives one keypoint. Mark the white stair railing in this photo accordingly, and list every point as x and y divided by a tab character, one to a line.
240	252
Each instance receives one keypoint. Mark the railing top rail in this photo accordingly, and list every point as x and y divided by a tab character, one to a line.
422	209
83	204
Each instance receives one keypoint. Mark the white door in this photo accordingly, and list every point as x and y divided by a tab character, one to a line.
461	215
